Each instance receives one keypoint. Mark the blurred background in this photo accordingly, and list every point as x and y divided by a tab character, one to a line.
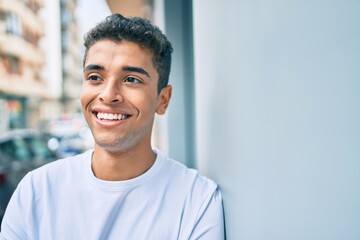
266	102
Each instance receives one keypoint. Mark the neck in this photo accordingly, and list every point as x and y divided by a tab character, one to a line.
119	166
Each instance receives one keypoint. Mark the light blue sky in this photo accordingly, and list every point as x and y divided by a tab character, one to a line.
90	12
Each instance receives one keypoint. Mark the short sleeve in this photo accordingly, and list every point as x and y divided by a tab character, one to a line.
210	221
14	222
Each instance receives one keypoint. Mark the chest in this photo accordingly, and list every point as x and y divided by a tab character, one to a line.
132	214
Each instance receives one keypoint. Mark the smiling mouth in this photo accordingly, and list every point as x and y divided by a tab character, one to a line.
111	116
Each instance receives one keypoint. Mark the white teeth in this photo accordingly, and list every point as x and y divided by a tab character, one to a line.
111	116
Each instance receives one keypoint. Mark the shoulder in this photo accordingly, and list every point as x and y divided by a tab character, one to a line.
69	162
199	198
183	177
58	170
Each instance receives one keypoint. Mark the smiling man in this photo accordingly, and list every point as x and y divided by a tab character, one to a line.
123	188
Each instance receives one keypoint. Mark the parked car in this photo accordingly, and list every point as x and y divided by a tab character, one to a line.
67	134
4	191
21	151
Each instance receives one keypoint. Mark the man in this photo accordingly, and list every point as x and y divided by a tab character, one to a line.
123	188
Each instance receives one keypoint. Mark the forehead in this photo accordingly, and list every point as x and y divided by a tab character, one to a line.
110	48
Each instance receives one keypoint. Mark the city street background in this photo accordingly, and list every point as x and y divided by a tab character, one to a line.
265	102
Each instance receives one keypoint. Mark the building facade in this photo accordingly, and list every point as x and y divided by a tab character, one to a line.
21	61
71	51
40	61
132	8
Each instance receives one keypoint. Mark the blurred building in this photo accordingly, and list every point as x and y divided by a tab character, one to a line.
63	52
21	60
132	8
71	57
40	61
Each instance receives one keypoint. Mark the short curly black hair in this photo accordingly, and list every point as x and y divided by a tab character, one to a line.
138	30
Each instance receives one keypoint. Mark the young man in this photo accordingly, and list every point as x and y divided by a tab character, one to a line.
123	188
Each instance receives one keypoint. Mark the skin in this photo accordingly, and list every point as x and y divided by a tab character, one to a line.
120	78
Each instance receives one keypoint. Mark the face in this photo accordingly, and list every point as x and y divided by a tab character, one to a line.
119	97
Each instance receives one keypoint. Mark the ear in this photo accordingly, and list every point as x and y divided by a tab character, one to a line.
163	99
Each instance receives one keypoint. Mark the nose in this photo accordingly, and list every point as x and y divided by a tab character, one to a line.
111	93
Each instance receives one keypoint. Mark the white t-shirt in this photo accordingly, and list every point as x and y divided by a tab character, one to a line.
64	200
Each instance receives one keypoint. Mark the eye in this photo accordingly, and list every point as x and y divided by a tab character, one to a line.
132	80
94	78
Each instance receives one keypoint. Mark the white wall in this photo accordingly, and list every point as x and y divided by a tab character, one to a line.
278	115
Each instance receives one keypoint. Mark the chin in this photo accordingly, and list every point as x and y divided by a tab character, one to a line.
114	145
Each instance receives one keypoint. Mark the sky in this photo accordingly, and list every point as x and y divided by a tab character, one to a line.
90	12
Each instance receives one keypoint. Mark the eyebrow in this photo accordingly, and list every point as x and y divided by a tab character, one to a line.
125	68
93	67
136	69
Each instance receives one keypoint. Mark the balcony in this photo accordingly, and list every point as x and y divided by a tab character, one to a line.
17	46
27	16
22	86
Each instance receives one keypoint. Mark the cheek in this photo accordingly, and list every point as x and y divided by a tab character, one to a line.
144	101
85	97
150	103
82	97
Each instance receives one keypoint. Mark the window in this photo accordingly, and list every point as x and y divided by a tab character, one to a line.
12	64
13	24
